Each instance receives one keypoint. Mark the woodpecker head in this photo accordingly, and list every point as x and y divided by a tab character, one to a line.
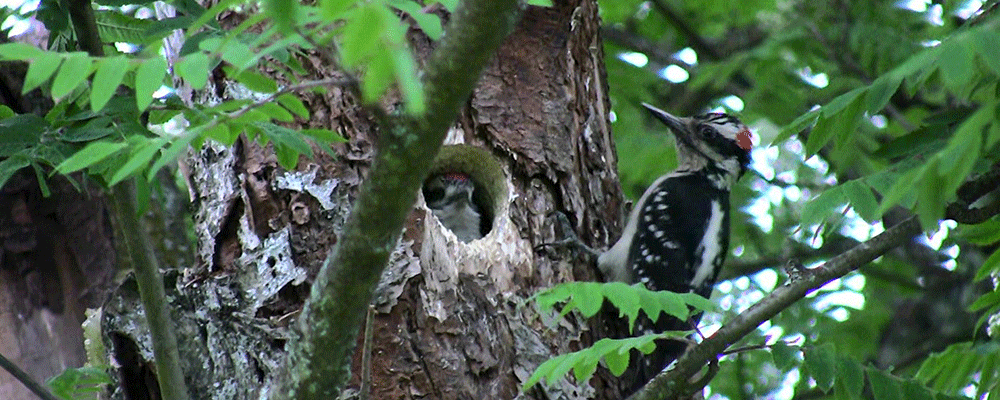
448	189
449	197
713	140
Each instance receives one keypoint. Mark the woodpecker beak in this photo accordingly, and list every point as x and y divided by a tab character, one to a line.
675	124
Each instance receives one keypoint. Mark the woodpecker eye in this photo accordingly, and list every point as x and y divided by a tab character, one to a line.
706	130
434	195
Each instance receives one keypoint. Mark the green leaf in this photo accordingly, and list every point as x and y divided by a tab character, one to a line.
239	55
958	158
990	266
40	70
362	33
617	362
149	79
109	75
624	298
91	130
914	391
10	166
783	355
903	187
19	52
429	23
822	363
989	375
956	65
930	200
283	12
89	155
542	371
288	144
817	209
71	74
588	299
841	102
988	50
991	299
293	104
884	386
378	76
140	157
171	153
21	132
850	379
276	112
253	80
881	91
114	26
449	4
862	199
409	84
194	69
540	3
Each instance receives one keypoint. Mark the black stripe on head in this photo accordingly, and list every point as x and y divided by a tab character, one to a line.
708	130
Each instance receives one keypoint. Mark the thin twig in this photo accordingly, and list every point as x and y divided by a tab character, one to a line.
37	388
366	356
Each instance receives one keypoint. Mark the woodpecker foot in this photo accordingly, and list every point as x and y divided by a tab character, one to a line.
570	239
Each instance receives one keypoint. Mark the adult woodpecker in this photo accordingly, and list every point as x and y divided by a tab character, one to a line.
677	234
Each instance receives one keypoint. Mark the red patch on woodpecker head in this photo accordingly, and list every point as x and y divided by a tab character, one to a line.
744	139
456	176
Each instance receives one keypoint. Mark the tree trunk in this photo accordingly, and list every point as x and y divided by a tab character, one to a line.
450	319
57	260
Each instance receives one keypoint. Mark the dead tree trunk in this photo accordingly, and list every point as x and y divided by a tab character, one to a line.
451	319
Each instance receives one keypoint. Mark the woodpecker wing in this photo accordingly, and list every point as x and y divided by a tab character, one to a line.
681	239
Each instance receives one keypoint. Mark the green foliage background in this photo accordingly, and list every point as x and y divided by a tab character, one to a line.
861	108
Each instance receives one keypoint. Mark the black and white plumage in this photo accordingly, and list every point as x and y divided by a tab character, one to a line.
677	235
449	196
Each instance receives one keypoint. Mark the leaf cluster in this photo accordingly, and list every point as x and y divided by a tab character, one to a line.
588	298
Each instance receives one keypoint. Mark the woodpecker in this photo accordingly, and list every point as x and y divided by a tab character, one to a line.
449	196
677	234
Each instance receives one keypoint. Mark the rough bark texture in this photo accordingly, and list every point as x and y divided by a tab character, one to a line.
451	319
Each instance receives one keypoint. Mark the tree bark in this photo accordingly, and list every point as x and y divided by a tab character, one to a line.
57	260
451	320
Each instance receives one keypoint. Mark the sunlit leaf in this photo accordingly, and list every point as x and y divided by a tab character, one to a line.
148	79
71	74
40	70
109	75
89	155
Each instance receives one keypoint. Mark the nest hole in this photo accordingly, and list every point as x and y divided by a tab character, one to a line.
456	170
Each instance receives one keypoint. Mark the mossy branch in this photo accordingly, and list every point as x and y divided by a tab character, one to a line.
318	364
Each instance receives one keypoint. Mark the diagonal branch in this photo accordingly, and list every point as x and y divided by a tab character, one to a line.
319	362
672	383
35	387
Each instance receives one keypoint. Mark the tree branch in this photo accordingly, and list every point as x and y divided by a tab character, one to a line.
673	383
318	363
37	388
140	256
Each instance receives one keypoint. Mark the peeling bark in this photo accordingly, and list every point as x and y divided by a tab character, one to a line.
451	320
